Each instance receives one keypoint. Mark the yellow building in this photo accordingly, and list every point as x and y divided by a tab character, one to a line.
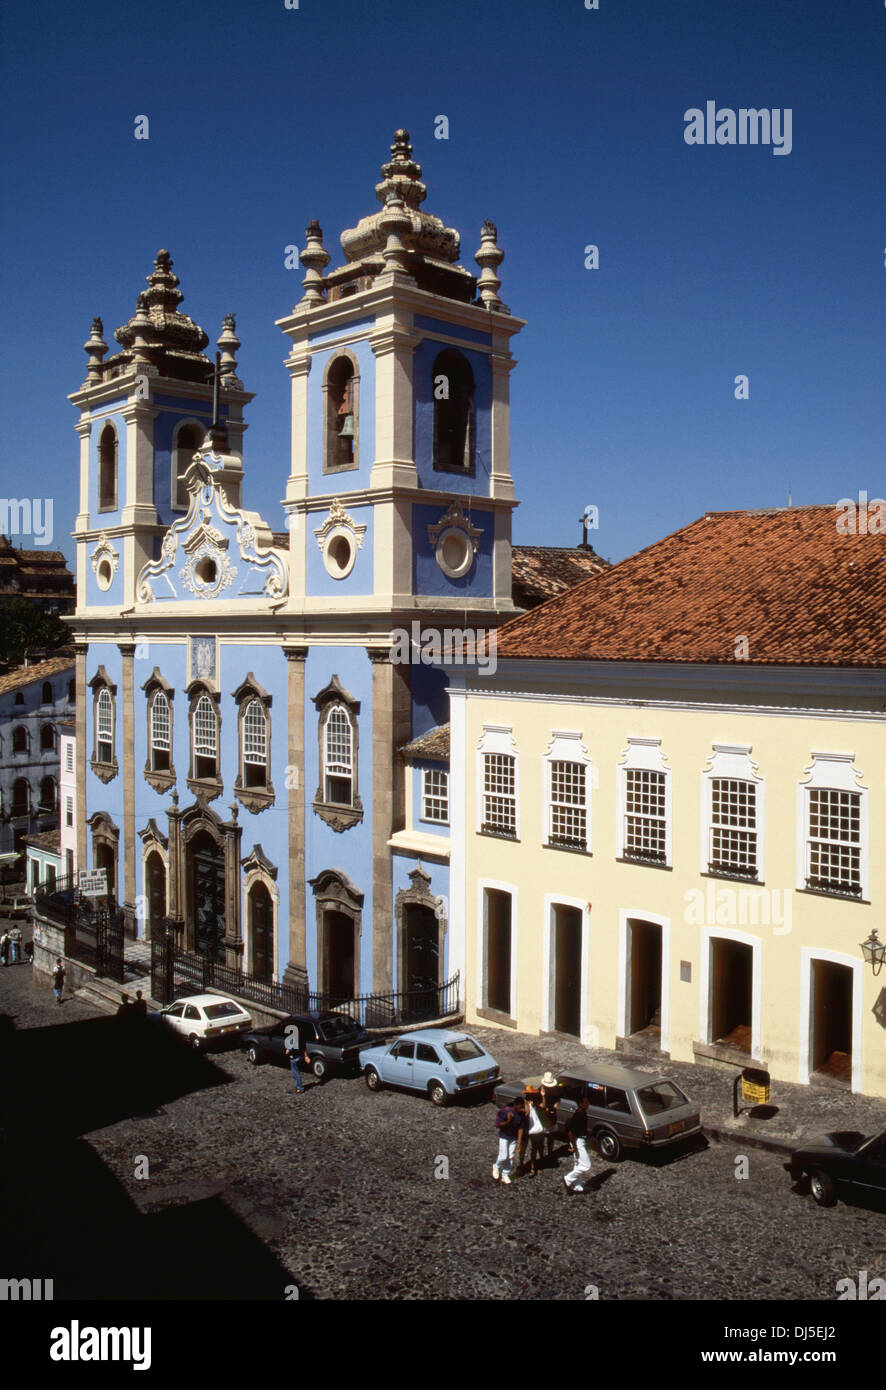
669	804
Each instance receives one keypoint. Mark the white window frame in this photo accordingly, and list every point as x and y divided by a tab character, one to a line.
566	747
643	754
626	916
104	714
831	771
588	1033
731	761
808	955
426	795
340	770
158	743
706	1018
249	737
497	739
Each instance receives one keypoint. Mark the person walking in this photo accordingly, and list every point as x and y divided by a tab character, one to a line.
509	1123
15	941
297	1054
58	979
4	947
577	1129
550	1095
535	1129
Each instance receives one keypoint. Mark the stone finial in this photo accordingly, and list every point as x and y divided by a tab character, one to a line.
95	347
489	258
395	223
314	258
141	325
401	175
229	344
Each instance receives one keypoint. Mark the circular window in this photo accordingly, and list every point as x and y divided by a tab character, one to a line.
104	574
339	554
206	570
454	553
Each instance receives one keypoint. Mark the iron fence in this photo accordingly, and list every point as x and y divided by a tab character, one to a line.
93	935
175	972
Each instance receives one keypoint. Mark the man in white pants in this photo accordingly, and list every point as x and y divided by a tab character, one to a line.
509	1121
577	1129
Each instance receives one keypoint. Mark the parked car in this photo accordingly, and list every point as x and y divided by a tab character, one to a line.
205	1019
627	1109
436	1061
331	1040
841	1162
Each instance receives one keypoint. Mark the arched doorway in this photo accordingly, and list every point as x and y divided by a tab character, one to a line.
206	873
261	932
155	887
338	956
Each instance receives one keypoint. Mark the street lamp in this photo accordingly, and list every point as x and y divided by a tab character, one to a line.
874	951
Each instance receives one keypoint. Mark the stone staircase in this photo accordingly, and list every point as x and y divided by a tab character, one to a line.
106	995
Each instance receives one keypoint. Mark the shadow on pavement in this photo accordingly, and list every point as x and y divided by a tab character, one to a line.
65	1216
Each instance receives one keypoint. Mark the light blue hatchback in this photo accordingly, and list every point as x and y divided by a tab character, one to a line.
433	1060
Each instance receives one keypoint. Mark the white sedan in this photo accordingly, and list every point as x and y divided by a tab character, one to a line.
205	1018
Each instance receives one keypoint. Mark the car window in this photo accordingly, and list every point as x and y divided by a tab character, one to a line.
175	1010
617	1100
659	1097
403	1049
571	1090
876	1150
332	1028
192	1011
463	1050
597	1094
223	1010
425	1053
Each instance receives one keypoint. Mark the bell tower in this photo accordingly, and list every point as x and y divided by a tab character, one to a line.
143	413
399	493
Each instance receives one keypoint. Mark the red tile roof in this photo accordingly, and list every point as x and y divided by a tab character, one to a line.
540	571
40	671
783	578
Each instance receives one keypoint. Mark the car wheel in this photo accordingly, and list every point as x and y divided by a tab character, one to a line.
822	1187
373	1080
319	1066
438	1093
609	1145
196	1042
253	1055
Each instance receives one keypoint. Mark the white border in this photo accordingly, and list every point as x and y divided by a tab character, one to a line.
511	888
631	914
807	955
588	1035
706	1004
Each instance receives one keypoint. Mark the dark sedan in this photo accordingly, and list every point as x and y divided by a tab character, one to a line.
841	1162
332	1042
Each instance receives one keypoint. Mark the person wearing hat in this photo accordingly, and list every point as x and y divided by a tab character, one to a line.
535	1130
549	1096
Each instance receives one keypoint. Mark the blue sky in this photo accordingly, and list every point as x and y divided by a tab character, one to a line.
566	128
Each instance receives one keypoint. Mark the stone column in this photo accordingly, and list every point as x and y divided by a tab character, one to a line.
233	936
296	972
127	652
175	885
390	730
81	649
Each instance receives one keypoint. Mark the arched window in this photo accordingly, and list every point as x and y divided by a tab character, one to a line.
255	745
339	758
19	698
47	794
46	697
21	798
453	413
107	469
47	738
187	442
104	726
341	390
161	732
104	718
336	800
20	739
205	739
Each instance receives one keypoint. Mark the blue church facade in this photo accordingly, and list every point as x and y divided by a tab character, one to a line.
259	762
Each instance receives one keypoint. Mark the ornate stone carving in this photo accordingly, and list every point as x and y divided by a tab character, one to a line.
104	552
